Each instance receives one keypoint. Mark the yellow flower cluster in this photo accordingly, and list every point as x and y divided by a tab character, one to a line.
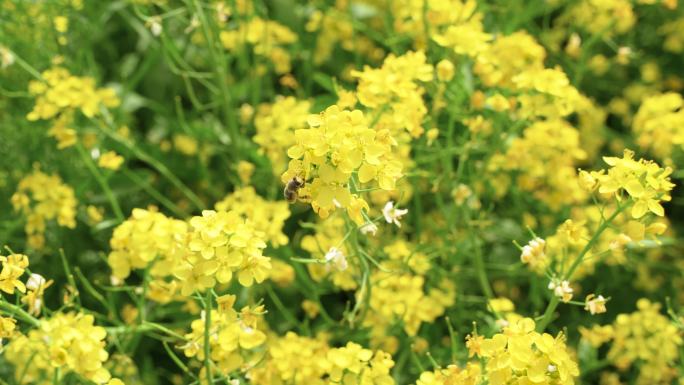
337	145
266	37
522	356
292	359
336	26
659	124
231	338
465	32
216	245
394	88
12	267
7	328
70	342
147	237
266	216
354	365
329	234
646	183
545	157
60	92
547	93
41	197
604	17
401	297
508	56
275	125
648	339
452	375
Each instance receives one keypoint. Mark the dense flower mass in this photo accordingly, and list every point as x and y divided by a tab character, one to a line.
41	198
341	192
521	355
68	341
217	245
337	144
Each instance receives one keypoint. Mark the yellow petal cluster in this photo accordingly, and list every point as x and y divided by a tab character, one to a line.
266	216
337	144
68	341
217	245
522	356
60	92
275	126
40	198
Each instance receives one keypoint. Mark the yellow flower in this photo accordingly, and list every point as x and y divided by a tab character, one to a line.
245	170
265	216
13	267
41	197
110	160
648	340
61	24
216	245
594	304
338	144
520	354
68	341
644	181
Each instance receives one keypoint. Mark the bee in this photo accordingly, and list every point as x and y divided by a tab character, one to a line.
292	187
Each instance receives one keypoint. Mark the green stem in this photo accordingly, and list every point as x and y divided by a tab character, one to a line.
548	313
207	340
12	310
157	165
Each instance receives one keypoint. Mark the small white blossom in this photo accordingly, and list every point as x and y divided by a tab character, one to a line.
337	258
533	253
6	57
594	304
35	282
392	214
369	227
155	26
561	289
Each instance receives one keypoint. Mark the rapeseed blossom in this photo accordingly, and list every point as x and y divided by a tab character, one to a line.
216	245
337	144
520	354
69	341
40	198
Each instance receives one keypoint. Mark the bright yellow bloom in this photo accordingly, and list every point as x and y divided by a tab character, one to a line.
452	375
110	160
61	92
648	340
69	341
338	144
13	267
266	216
41	197
521	355
646	183
216	245
146	237
232	336
275	126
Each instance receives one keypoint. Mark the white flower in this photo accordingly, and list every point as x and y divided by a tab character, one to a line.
155	26
594	304
6	58
561	289
533	252
392	214
369	227
35	282
337	258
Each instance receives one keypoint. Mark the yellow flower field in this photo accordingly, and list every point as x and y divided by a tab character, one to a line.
343	192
